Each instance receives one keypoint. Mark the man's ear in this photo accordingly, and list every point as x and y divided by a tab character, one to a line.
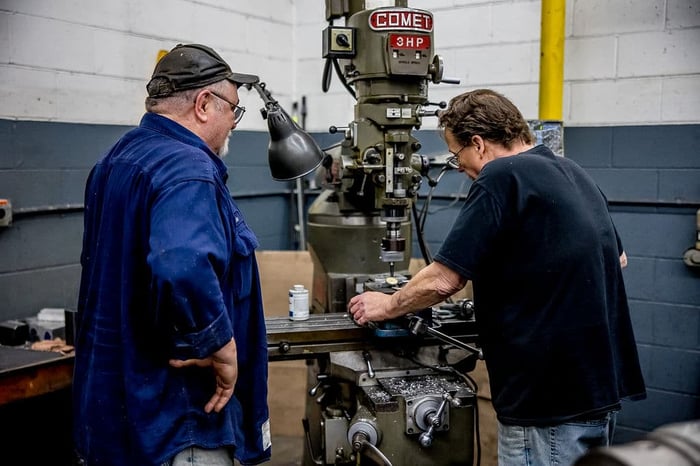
478	143
202	106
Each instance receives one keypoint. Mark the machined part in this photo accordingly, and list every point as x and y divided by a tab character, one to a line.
394	244
419	411
368	359
434	419
392	256
334	438
389	162
337	334
363	429
437	69
322	379
372	452
371	156
381	401
418	326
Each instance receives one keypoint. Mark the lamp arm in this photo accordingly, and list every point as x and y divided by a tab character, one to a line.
266	96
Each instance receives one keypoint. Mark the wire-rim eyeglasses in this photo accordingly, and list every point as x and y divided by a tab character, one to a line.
453	160
237	110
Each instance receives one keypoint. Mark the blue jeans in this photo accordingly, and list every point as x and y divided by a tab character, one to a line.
194	456
559	445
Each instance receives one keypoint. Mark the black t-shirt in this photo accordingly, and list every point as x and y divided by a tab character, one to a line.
536	239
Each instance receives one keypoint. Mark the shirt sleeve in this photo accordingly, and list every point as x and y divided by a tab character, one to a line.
620	247
472	234
188	256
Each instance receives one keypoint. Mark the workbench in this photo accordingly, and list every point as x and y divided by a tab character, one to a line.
26	373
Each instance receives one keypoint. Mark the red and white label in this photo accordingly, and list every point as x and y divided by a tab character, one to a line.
401	19
409	41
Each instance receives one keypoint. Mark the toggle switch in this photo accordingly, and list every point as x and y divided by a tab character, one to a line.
5	212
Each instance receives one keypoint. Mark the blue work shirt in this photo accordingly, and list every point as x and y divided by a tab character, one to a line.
168	271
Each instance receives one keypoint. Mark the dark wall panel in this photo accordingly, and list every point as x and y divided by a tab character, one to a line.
591	147
626	183
25	293
41	242
32	145
253	180
666	147
670	370
680	185
449	185
671	325
650	175
675	283
639	279
660	408
43	168
29	189
656	234
247	149
269	218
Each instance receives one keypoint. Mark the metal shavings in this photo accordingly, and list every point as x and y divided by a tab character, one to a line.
378	395
408	387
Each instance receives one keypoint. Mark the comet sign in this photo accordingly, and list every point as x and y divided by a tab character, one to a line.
401	19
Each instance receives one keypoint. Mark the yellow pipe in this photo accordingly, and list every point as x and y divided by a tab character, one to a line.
552	59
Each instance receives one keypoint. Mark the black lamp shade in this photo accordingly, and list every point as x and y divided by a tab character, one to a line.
292	152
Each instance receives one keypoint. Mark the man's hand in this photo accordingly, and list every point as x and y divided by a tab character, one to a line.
428	287
623	260
225	364
369	306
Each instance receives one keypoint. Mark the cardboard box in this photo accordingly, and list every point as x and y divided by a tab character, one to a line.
279	271
287	388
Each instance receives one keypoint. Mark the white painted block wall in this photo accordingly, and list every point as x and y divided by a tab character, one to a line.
627	62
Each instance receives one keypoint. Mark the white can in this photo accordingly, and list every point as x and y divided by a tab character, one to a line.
298	303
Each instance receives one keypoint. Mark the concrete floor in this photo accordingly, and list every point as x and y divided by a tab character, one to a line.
286	451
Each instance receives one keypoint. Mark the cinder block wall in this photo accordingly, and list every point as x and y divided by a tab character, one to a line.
86	61
73	76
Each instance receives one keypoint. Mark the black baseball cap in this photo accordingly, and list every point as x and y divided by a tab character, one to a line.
190	66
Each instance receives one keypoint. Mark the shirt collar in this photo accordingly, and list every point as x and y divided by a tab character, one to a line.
173	129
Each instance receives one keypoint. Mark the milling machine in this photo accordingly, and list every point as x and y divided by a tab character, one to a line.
397	392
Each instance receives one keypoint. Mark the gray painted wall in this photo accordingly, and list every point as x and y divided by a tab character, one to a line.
651	175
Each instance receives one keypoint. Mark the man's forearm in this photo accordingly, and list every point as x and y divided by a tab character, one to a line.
430	286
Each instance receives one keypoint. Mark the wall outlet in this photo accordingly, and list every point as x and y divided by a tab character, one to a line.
5	212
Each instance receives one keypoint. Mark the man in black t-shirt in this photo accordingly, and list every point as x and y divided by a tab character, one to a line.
536	239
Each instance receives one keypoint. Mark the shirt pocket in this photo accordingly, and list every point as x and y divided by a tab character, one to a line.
244	246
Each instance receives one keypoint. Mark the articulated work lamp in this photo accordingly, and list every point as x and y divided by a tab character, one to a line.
292	153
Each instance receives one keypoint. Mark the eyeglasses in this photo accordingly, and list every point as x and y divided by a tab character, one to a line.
237	110
453	161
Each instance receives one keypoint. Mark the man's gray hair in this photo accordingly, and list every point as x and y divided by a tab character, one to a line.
179	101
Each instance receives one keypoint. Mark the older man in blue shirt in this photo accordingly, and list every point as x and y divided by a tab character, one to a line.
171	353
